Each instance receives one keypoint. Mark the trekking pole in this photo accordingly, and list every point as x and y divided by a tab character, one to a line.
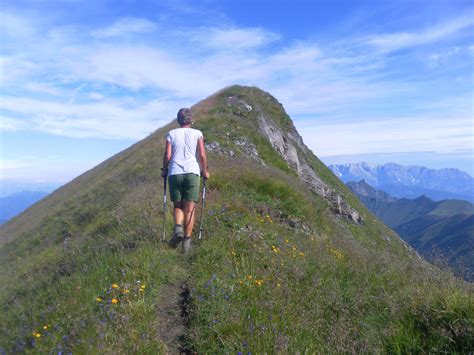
164	209
203	204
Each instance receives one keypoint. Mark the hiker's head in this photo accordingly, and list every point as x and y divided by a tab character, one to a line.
185	117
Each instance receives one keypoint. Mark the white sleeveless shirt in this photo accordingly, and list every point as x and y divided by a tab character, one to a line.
183	151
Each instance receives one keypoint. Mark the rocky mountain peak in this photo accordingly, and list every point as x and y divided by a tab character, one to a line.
271	120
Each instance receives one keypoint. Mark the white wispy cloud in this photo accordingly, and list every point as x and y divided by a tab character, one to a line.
11	124
390	42
15	26
138	67
41	169
44	88
83	76
233	38
389	134
125	26
99	120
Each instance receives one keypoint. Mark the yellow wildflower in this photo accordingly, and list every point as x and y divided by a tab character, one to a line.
250	277
99	299
287	241
241	282
38	335
115	286
336	253
142	286
45	327
126	291
114	301
301	254
278	284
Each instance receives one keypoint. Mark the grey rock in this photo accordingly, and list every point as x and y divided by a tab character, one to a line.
239	104
291	148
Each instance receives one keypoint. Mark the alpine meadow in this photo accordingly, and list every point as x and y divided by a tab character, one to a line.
290	260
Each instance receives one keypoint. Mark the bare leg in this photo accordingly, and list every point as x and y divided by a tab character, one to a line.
178	213
188	208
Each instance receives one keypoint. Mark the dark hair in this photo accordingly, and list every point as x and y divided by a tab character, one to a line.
185	116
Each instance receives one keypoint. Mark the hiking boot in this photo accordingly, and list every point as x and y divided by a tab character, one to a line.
178	236
186	245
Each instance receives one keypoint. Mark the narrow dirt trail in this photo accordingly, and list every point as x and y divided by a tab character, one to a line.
173	311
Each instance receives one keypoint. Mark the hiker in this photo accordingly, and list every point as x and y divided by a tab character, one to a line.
184	160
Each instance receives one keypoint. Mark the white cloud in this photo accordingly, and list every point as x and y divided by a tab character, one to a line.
139	67
11	124
15	68
233	38
101	120
126	26
390	42
39	169
96	96
389	134
14	26
307	77
44	88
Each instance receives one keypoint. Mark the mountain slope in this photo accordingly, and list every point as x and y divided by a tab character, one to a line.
290	261
448	239
410	181
439	230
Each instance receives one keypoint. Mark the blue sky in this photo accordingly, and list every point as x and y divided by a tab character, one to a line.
363	80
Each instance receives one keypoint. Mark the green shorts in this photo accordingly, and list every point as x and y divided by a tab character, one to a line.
184	187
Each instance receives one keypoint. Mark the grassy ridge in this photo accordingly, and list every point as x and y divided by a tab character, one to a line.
276	271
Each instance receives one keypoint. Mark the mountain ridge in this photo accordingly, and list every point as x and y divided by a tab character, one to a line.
284	265
410	181
441	231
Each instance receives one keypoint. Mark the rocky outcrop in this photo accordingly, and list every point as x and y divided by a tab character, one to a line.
291	148
287	144
240	104
242	147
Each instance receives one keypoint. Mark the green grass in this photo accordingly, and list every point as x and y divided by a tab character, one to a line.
275	272
72	310
280	289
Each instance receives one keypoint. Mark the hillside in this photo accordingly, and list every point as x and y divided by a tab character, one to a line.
410	181
442	231
290	261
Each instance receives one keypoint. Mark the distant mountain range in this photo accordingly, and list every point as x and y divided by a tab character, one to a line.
10	187
13	204
436	229
16	196
410	181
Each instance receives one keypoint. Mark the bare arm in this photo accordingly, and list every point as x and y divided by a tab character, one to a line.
202	157
166	159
